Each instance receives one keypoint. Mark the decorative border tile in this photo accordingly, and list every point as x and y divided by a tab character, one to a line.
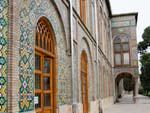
3	54
26	65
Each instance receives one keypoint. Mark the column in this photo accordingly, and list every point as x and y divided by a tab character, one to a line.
135	91
13	56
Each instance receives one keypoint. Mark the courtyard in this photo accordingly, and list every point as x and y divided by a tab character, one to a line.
126	105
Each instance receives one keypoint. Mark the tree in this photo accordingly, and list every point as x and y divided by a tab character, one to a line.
128	84
145	69
143	45
145	60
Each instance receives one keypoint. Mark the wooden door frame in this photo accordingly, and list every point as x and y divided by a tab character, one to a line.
84	57
83	5
54	63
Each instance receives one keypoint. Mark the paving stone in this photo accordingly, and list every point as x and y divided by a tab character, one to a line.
126	105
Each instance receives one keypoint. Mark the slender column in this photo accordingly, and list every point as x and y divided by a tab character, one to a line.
117	92
137	86
135	91
72	50
13	56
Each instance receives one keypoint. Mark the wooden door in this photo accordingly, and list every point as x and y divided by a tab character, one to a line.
44	68
43	83
84	82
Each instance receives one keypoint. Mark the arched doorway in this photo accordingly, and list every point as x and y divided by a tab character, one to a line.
84	81
45	68
120	85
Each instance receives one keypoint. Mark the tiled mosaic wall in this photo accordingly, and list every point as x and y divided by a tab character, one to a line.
30	12
3	54
26	64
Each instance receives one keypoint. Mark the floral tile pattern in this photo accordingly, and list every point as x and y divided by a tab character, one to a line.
3	54
30	12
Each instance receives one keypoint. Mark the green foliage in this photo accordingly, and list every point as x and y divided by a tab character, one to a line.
142	46
145	60
141	91
145	69
128	84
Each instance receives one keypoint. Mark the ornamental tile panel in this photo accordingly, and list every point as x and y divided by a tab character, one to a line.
121	24
3	54
30	12
26	66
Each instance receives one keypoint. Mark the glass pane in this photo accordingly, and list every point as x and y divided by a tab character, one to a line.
48	45
41	40
46	65
46	81
47	99
117	40
124	39
38	105
83	63
83	78
45	44
117	47
37	62
126	58
37	82
83	66
125	47
117	59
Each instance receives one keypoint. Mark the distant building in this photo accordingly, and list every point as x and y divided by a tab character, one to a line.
64	56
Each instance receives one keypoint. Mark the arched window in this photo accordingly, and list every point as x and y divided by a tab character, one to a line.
84	81
121	50
44	67
83	10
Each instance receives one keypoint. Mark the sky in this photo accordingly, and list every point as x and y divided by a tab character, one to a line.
140	6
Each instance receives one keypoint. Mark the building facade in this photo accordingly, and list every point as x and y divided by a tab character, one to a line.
58	56
125	49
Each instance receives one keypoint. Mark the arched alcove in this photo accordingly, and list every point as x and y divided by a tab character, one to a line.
45	67
119	84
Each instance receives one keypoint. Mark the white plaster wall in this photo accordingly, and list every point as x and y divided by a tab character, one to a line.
65	109
94	107
30	112
78	108
107	102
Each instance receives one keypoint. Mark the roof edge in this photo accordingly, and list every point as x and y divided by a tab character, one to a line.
109	8
127	14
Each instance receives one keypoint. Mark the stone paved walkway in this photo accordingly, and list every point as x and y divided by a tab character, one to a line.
126	105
